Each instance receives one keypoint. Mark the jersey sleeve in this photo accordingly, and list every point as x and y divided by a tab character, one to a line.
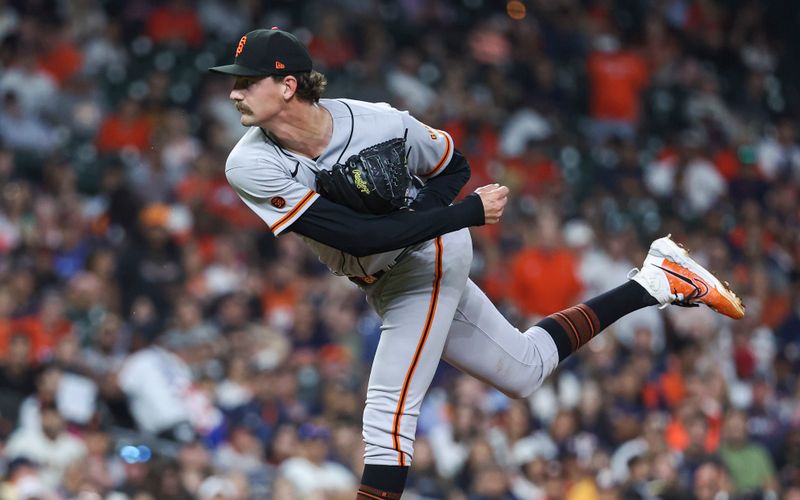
429	149
272	194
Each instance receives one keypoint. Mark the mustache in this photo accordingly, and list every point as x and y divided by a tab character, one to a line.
242	108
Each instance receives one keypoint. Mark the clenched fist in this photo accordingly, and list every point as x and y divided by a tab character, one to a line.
494	198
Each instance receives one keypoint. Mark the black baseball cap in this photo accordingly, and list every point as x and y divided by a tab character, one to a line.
265	52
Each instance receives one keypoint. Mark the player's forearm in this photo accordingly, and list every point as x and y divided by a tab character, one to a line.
364	234
441	190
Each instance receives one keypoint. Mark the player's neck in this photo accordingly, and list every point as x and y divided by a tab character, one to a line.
302	128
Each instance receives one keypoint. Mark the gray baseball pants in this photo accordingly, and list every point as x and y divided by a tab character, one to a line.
431	310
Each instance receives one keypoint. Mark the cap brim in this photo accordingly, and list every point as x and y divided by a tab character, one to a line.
236	70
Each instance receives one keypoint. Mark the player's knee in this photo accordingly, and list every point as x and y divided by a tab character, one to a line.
520	391
378	454
524	384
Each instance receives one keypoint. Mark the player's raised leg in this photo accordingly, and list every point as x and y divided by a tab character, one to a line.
416	304
483	343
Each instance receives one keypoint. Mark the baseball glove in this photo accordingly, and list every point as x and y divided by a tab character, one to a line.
374	181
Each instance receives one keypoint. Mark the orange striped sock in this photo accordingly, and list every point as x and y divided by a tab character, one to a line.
369	493
572	328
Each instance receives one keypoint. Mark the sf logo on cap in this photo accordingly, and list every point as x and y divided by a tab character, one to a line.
240	47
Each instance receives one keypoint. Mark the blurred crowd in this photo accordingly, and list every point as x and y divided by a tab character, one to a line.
158	343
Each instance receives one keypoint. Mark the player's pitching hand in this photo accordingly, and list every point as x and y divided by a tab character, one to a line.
494	198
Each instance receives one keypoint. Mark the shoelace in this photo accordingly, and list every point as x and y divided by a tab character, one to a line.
680	300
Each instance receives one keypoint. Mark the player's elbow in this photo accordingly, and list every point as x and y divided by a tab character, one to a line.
366	240
369	248
358	251
359	246
361	250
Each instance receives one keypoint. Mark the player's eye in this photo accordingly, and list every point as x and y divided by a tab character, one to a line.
243	83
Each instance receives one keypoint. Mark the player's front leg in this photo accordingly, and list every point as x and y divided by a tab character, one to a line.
416	304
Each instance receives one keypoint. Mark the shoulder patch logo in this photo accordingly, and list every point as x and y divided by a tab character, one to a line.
433	134
240	47
278	202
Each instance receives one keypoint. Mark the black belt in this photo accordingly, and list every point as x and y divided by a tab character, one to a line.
367	280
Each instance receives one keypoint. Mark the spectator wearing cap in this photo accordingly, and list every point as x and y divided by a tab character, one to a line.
152	268
311	472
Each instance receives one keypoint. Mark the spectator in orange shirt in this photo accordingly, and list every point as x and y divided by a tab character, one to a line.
47	327
616	79
177	22
127	128
533	172
61	58
206	192
544	274
7	306
332	47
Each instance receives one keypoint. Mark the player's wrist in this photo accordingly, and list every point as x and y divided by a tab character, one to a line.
474	212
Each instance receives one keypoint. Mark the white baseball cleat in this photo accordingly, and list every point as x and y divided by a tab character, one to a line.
672	277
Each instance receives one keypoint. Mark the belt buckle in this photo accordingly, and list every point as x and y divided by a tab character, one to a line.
368	280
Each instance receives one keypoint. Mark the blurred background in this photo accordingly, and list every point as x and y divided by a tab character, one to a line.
158	343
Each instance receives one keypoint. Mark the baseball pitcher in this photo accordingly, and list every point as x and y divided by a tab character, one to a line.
371	190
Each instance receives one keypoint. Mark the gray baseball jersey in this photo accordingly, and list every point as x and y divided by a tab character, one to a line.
279	185
430	309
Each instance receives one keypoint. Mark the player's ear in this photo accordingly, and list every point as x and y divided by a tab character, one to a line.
288	87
